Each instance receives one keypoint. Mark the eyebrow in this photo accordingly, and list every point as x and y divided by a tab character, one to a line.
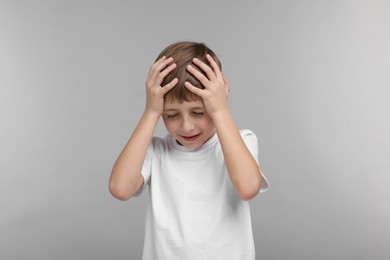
191	108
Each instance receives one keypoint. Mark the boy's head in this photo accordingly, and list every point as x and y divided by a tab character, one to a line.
185	116
182	54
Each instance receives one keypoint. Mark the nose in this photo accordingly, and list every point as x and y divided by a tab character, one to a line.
188	125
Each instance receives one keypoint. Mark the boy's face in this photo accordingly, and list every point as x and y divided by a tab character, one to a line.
188	122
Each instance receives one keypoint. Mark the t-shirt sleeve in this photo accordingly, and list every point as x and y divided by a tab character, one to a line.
251	142
147	167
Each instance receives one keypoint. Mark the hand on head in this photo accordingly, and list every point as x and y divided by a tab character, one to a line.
202	78
215	93
154	91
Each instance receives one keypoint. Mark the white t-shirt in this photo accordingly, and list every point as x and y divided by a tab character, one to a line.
194	211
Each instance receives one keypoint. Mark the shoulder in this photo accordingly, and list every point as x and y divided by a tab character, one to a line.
247	134
250	139
158	144
156	141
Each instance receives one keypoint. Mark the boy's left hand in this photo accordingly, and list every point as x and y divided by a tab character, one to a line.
215	93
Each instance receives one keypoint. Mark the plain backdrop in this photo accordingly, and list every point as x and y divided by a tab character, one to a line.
310	78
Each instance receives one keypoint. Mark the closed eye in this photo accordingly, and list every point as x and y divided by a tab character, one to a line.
198	114
172	116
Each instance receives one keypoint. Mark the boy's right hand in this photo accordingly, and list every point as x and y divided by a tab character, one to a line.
154	91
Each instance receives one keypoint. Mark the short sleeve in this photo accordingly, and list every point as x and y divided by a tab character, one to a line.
147	167
251	142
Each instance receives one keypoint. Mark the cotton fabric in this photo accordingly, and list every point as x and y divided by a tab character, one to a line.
194	210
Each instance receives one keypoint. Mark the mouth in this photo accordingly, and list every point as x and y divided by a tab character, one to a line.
190	138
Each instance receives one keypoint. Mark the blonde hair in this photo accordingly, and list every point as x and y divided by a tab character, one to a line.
182	53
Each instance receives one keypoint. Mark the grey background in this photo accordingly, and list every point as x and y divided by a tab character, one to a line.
310	78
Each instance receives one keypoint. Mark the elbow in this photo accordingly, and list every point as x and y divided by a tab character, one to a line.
118	192
248	194
250	190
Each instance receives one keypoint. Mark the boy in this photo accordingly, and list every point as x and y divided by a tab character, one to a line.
200	176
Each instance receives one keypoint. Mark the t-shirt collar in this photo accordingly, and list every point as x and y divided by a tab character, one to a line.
204	147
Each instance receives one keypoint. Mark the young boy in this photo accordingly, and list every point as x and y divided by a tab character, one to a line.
200	176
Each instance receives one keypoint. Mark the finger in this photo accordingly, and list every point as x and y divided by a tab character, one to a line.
197	74
170	85
153	71
165	72
156	63
193	89
160	65
203	66
215	66
161	59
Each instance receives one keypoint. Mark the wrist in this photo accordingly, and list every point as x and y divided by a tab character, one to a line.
152	114
220	114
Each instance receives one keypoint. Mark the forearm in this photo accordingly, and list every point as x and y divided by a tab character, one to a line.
126	171
242	167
